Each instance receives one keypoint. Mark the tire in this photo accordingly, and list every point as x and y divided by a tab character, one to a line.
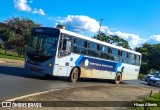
148	81
151	83
74	75
118	78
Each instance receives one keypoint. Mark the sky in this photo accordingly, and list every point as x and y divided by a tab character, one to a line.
137	21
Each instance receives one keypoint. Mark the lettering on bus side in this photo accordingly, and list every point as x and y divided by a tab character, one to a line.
91	63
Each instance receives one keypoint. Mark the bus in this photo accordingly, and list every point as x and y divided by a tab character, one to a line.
59	52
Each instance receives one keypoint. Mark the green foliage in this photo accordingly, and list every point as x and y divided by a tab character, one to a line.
150	57
17	32
151	99
112	39
141	76
6	34
10	55
1	44
144	67
22	29
155	97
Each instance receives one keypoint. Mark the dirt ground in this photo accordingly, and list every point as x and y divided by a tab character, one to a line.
92	93
5	60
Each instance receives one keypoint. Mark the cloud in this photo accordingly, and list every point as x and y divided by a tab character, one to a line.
22	5
84	24
80	23
38	11
153	39
133	39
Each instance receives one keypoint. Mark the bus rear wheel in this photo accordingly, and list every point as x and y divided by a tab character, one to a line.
74	75
118	78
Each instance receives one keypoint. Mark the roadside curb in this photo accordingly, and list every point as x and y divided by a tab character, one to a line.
34	94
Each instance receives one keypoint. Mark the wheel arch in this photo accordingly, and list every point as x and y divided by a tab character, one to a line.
120	73
79	70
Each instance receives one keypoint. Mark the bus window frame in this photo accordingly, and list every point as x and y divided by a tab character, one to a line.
98	49
61	51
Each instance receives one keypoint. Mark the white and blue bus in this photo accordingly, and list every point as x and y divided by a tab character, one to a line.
59	52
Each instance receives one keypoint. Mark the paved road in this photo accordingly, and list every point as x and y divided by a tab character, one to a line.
15	82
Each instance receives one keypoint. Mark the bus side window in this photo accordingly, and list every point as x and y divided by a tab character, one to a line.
60	42
104	49
78	46
124	57
99	47
119	53
109	50
92	51
131	59
65	45
137	60
114	53
85	44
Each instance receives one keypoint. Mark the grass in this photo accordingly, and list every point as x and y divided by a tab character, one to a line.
10	55
155	98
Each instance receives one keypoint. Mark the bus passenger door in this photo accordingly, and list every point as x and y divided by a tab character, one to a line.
64	55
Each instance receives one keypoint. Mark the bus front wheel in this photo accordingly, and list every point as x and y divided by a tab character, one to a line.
74	75
118	78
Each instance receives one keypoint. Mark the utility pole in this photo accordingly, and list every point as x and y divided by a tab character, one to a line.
100	25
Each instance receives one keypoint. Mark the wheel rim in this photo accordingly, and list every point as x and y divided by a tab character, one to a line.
118	78
75	74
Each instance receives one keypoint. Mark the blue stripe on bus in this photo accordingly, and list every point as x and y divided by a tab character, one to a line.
91	63
116	68
78	60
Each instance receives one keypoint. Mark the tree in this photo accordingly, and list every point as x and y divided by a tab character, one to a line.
5	35
150	57
154	57
112	39
18	31
102	37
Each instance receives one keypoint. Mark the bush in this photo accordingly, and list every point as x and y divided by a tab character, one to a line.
155	98
1	46
141	76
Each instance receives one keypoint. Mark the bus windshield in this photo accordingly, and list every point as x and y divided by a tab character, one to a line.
42	47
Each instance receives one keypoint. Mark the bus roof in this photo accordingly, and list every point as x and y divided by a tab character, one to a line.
96	41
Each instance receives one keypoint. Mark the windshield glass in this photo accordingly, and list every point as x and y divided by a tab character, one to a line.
42	46
157	75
